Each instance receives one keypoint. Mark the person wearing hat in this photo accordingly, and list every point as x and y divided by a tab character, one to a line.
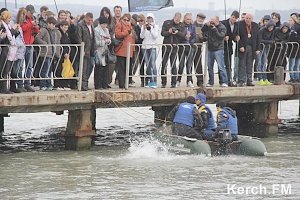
231	29
199	22
102	40
226	119
209	124
186	119
30	30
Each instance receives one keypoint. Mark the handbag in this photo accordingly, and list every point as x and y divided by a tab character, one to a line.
111	56
116	41
68	70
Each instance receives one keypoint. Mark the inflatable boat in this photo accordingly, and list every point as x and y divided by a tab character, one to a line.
245	145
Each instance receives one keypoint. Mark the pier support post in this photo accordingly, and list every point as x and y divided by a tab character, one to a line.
80	129
161	113
1	123
259	119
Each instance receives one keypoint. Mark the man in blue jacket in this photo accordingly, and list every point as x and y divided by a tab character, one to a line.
227	119
186	119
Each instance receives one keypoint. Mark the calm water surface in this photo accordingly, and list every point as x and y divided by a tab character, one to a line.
125	163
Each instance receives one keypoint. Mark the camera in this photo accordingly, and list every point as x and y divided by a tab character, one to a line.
212	24
148	27
3	29
174	29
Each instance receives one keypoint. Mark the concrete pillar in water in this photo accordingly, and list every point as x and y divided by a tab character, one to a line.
258	119
80	129
161	113
1	123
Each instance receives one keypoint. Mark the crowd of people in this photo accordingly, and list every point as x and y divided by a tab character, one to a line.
269	43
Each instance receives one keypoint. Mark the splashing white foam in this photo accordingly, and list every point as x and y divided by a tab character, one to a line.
149	149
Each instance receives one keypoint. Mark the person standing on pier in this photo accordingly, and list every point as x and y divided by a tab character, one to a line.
215	32
86	34
248	46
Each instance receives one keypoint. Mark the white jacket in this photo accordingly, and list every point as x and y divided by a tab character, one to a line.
149	36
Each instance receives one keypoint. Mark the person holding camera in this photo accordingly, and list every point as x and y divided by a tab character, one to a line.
173	32
215	32
187	51
149	34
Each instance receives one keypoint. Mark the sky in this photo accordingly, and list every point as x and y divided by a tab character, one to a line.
201	4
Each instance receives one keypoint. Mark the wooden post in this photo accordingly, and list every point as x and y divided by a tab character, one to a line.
161	113
1	123
79	129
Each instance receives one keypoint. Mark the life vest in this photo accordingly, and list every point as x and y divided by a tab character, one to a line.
211	120
232	121
184	114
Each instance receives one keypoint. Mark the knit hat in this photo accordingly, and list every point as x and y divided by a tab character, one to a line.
190	99
267	17
103	20
202	97
270	23
236	14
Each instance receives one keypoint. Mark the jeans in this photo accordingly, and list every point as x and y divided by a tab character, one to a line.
262	65
169	53
186	55
16	72
219	57
150	58
46	73
294	65
28	64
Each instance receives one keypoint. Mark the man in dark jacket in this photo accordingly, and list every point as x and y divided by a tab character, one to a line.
86	34
265	36
277	55
199	23
248	49
231	28
215	32
173	32
186	119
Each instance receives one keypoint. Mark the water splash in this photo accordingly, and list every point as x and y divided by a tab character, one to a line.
148	148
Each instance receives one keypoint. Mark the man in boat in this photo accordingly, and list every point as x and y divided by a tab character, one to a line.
209	124
226	119
186	119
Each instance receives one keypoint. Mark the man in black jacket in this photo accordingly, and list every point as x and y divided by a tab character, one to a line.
215	32
231	28
173	32
248	49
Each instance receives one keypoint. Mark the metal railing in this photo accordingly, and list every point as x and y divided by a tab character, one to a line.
167	57
28	63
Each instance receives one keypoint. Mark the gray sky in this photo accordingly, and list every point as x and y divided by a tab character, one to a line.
247	5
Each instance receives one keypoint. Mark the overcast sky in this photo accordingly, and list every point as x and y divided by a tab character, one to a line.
202	4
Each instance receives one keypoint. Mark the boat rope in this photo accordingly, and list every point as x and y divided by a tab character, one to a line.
124	106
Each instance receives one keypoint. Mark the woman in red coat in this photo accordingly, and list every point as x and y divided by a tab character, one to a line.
124	32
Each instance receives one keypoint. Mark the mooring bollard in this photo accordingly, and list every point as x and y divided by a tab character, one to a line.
279	75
